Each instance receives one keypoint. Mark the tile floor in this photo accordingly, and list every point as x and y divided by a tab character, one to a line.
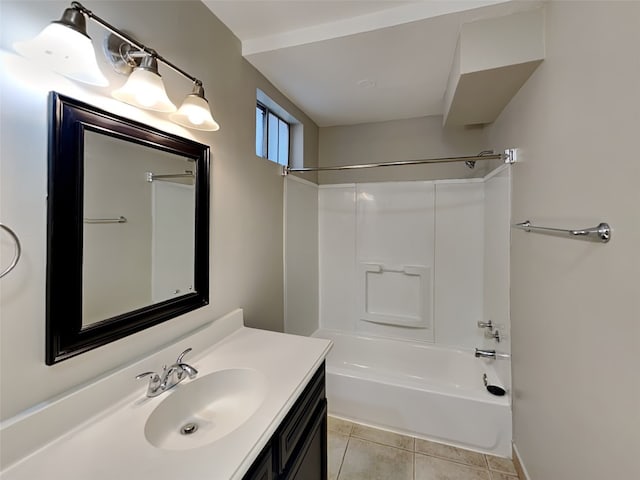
357	452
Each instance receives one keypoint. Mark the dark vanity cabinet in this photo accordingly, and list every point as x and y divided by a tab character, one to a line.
298	449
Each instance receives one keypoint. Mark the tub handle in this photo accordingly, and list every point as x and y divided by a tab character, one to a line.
495	335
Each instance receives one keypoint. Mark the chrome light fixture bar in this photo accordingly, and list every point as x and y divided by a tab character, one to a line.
54	44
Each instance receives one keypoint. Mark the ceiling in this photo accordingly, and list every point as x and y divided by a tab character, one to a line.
348	62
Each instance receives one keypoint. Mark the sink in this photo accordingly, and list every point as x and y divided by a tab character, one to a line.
204	410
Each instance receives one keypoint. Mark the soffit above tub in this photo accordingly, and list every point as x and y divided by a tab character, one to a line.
494	58
349	62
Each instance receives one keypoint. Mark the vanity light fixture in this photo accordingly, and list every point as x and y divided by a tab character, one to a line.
65	48
194	111
144	88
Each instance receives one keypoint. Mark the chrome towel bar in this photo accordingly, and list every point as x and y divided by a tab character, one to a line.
120	219
17	253
601	233
150	176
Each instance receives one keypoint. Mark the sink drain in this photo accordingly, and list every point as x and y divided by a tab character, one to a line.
189	428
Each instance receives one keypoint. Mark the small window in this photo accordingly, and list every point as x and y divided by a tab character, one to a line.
272	136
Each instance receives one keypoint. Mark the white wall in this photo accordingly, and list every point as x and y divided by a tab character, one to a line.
246	267
575	305
300	256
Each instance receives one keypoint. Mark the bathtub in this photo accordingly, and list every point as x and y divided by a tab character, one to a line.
417	389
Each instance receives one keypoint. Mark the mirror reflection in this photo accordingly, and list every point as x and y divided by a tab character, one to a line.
138	227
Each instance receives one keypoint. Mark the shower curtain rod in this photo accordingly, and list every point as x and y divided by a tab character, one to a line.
509	156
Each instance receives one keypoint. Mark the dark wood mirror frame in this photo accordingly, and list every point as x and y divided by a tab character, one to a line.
65	335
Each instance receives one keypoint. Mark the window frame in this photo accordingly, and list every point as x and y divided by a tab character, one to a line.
266	111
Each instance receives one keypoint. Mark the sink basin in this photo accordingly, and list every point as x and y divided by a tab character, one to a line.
206	409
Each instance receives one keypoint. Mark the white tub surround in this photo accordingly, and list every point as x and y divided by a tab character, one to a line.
395	243
300	256
496	283
403	260
112	443
419	260
417	389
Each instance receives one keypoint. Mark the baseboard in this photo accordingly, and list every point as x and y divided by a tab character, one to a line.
517	462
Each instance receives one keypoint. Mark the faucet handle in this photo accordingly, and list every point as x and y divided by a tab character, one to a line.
154	376
488	325
495	334
155	383
188	369
181	356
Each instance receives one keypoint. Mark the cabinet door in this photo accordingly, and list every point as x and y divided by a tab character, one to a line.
312	461
295	427
262	468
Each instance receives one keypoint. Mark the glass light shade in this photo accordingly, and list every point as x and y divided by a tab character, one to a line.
65	51
195	113
145	89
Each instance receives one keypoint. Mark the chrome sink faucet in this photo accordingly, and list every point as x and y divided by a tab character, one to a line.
170	377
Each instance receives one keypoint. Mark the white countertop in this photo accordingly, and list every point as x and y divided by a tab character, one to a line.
112	444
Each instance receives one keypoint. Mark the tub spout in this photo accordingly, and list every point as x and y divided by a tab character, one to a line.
480	353
485	353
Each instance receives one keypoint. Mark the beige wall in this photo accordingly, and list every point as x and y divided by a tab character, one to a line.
115	185
396	140
575	306
246	199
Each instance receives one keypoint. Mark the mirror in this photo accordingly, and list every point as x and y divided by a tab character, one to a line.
138	217
128	227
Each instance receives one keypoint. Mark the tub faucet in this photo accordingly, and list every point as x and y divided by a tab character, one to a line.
480	353
171	376
488	325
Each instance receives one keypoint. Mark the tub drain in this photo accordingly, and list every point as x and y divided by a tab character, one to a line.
189	428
